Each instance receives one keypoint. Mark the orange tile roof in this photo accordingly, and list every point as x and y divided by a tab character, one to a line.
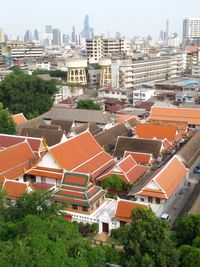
19	118
125	117
167	179
142	158
127	163
191	116
134	174
181	125
159	132
124	210
14	160
81	153
14	189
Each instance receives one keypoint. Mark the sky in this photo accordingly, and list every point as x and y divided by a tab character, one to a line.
129	17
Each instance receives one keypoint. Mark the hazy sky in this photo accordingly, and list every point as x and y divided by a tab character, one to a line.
130	17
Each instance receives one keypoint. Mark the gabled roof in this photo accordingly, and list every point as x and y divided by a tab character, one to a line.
15	159
64	124
191	116
133	121
128	170
19	118
92	127
159	132
78	115
46	172
50	135
14	189
190	151
124	210
76	188
142	158
82	154
137	145
125	117
107	139
6	141
166	181
34	123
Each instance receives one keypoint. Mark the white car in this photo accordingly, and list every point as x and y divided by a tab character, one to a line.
165	217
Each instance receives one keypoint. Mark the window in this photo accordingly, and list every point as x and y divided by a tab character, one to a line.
85	209
75	207
150	199
142	199
157	200
43	180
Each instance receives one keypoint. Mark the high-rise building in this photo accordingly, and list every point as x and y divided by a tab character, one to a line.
36	35
167	33
191	31
48	29
56	37
28	37
2	39
161	36
87	32
73	34
117	35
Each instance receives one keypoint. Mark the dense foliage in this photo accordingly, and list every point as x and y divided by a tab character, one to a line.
52	73
20	92
115	183
88	104
7	125
33	234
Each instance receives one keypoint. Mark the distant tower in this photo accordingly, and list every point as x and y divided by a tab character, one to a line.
73	35
161	36
2	37
36	35
56	37
28	37
167	32
48	29
87	32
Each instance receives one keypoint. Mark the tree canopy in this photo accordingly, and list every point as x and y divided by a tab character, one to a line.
27	94
7	125
114	182
147	241
52	73
88	104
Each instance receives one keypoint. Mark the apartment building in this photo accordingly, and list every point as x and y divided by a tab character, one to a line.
191	31
99	47
132	74
196	71
23	50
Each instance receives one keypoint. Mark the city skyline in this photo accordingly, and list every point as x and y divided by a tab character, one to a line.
29	15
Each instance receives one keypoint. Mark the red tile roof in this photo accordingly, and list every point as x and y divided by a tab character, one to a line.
124	210
191	116
159	132
14	189
6	141
19	118
167	179
82	154
125	117
127	163
14	160
142	158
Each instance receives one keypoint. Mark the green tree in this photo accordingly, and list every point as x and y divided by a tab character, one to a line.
20	92
7	125
88	104
147	241
188	228
114	182
189	256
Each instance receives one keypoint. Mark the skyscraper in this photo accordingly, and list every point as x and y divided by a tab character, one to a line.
191	31
167	33
87	31
28	37
2	39
48	29
36	35
56	37
73	34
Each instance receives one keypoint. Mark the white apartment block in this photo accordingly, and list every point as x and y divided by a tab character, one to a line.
24	50
191	31
120	94
142	94
99	47
132	74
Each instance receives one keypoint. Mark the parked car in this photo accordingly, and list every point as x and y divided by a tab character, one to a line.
197	169
165	217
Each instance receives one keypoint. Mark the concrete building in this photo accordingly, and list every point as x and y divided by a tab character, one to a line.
196	71
109	47
132	74
23	50
120	94
77	71
56	37
191	31
143	94
106	76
